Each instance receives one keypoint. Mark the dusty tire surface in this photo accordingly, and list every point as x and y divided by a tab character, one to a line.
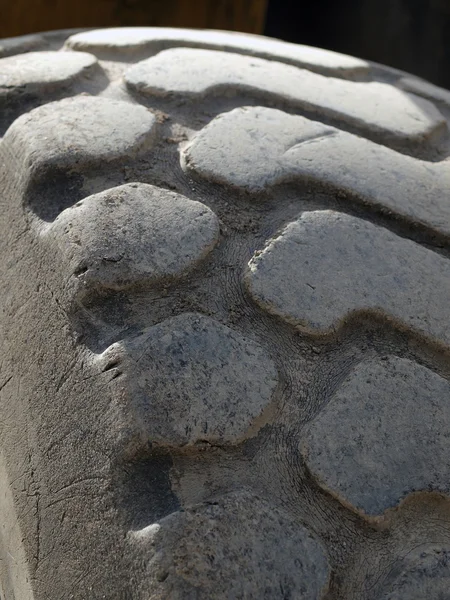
225	309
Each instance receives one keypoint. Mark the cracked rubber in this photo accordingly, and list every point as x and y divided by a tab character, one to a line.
225	343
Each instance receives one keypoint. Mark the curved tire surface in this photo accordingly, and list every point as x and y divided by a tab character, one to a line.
225	340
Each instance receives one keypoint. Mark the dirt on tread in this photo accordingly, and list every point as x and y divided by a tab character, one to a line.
225	351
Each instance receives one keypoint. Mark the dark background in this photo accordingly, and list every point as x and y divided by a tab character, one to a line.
413	35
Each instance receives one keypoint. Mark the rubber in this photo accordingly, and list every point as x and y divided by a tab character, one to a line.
225	344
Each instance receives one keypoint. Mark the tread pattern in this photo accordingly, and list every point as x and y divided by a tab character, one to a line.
275	147
135	40
185	72
229	273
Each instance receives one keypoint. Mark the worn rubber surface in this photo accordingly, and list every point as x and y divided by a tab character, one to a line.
225	309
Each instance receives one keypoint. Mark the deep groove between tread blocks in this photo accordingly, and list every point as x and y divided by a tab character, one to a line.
212	106
182	294
196	196
338	344
66	187
168	293
287	201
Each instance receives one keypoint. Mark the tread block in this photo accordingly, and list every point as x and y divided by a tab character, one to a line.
203	551
75	132
425	573
135	40
384	434
133	233
255	148
191	379
41	72
337	265
20	44
373	107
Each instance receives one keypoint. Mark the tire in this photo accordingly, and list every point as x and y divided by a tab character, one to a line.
225	358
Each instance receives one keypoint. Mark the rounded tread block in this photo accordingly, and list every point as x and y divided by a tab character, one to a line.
425	574
135	40
191	379
255	148
337	265
230	548
133	233
384	434
37	72
372	107
75	132
20	44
